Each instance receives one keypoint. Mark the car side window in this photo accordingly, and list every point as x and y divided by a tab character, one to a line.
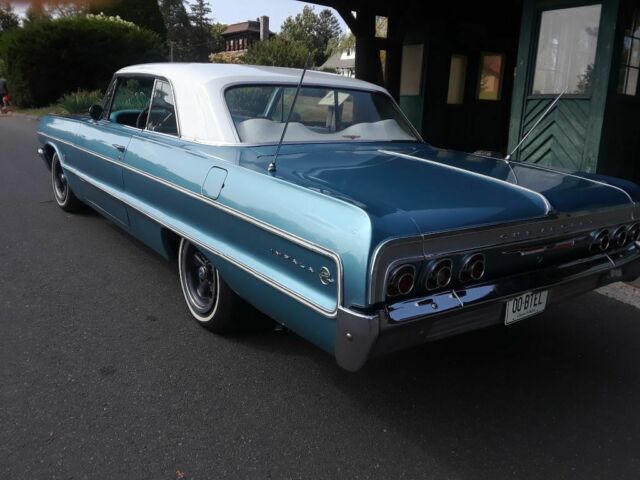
162	116
130	103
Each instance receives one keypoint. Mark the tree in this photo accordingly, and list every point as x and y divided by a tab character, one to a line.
178	28
316	31
277	52
144	13
201	31
8	18
36	11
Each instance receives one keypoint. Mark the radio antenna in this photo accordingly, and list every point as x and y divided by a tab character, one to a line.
272	165
553	104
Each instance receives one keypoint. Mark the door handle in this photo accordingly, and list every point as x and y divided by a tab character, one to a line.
120	148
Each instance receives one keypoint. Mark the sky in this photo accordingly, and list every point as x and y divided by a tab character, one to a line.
234	11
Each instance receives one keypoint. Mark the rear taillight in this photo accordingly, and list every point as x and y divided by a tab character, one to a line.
439	274
634	232
600	240
401	280
619	237
473	268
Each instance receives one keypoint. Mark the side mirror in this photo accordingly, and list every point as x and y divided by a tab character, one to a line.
95	112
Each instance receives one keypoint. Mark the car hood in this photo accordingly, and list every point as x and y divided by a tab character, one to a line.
441	189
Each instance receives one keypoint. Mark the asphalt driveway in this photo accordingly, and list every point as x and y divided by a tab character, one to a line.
103	375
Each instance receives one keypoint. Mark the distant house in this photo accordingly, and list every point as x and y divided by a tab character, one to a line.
238	37
343	63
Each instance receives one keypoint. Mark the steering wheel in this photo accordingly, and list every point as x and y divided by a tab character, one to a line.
141	115
157	121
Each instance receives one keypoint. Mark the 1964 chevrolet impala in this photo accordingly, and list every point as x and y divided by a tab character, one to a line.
353	232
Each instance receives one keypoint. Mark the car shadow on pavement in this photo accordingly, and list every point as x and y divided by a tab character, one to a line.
552	397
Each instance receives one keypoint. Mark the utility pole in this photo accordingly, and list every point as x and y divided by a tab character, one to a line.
171	50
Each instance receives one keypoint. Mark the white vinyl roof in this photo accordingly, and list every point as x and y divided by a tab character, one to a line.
199	92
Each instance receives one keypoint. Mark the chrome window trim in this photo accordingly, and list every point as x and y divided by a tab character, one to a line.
175	108
548	206
117	76
243	216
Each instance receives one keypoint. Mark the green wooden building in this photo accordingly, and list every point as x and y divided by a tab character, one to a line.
478	75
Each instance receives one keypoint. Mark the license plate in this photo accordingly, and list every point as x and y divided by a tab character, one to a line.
525	305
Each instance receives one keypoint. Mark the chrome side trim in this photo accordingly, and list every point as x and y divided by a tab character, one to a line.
270	228
548	206
573	175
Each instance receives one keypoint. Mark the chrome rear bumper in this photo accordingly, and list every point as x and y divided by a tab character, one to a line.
408	323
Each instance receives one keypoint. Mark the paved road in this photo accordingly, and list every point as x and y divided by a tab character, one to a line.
103	375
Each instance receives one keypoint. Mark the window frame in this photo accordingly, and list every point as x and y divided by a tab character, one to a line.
533	52
108	101
503	59
635	25
465	78
175	108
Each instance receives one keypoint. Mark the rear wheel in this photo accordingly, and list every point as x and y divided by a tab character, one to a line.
65	198
210	300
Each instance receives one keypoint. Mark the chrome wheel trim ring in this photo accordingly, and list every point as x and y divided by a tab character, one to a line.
59	181
201	311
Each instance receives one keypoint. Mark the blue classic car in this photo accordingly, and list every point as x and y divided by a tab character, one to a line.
313	199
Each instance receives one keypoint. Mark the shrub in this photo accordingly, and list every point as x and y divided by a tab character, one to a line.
48	58
277	52
79	101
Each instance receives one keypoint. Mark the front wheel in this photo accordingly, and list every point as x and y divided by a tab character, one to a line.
210	300
65	198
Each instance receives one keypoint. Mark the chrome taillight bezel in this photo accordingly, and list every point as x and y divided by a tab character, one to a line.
468	272
633	232
619	236
432	282
396	275
601	240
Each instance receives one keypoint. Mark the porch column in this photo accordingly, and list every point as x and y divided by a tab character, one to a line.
363	26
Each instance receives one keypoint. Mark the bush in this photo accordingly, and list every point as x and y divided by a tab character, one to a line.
48	58
277	52
79	101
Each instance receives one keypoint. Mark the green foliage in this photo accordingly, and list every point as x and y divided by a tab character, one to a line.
191	36
8	18
318	32
176	20
47	58
144	13
202	41
277	52
79	101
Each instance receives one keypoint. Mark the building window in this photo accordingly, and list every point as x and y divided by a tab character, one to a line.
566	50
457	78
630	62
490	78
411	70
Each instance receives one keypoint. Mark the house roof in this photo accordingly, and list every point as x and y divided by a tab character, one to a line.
336	61
248	26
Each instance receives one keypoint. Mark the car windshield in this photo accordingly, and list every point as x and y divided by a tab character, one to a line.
320	114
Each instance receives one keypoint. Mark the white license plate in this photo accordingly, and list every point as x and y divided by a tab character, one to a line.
525	305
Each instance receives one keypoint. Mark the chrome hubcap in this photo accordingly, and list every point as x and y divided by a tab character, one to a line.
200	279
60	185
